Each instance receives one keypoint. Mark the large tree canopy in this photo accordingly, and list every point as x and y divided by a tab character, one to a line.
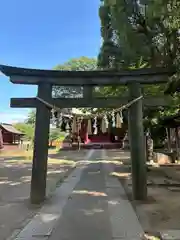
138	33
75	64
31	118
133	29
145	32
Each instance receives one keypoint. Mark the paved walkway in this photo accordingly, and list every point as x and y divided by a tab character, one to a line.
90	204
15	178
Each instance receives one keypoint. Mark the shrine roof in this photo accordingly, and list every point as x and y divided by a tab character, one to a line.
10	128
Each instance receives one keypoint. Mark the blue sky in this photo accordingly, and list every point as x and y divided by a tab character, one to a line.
42	34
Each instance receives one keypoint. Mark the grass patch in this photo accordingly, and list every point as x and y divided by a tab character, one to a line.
23	153
17	153
50	161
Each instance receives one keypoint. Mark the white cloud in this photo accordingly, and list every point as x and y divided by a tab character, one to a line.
11	117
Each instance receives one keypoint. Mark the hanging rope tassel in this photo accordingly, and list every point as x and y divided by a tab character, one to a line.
103	126
74	126
121	116
60	118
95	125
79	120
113	120
53	119
67	126
126	106
118	121
89	127
106	121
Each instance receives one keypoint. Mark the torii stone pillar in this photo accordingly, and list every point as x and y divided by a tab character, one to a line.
137	144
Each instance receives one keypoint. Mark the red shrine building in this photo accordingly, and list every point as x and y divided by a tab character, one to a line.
112	134
95	129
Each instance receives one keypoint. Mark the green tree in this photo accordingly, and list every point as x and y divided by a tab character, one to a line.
134	29
27	129
145	32
55	134
31	117
75	64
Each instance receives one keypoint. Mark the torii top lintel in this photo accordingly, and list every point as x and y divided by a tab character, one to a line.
82	78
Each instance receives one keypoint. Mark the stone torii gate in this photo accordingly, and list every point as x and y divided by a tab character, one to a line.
45	79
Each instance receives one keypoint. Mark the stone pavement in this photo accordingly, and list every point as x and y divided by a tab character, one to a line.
90	204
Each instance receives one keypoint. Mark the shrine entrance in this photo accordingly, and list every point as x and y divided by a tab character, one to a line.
45	79
94	129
